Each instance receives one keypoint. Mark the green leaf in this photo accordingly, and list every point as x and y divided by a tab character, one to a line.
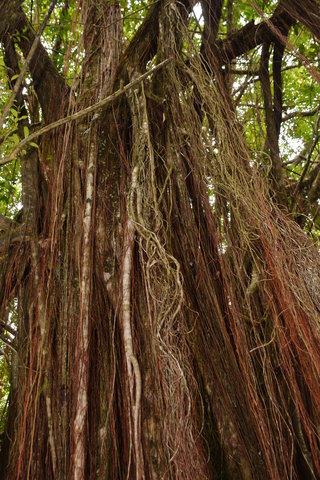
26	131
15	139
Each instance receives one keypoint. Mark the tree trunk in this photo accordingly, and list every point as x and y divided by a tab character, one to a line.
158	336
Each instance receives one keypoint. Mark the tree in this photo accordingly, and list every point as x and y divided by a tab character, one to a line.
159	239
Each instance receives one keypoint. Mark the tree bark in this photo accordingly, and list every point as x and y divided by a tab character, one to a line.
167	307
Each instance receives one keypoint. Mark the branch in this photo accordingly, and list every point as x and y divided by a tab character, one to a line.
9	344
81	113
6	327
11	61
48	83
298	158
255	73
58	41
313	146
279	47
26	65
280	37
251	35
314	191
272	135
29	167
144	43
306	12
305	113
8	13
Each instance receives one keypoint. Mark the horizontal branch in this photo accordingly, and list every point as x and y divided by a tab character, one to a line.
81	113
306	113
255	73
251	35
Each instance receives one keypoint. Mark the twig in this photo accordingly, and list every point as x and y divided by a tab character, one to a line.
26	64
313	146
9	344
81	113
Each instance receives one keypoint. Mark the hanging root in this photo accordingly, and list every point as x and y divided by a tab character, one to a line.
218	292
170	363
82	353
255	308
134	374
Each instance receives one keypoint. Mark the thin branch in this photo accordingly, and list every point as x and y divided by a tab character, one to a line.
58	41
314	218
313	146
26	65
6	342
81	113
298	158
305	113
255	72
7	327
